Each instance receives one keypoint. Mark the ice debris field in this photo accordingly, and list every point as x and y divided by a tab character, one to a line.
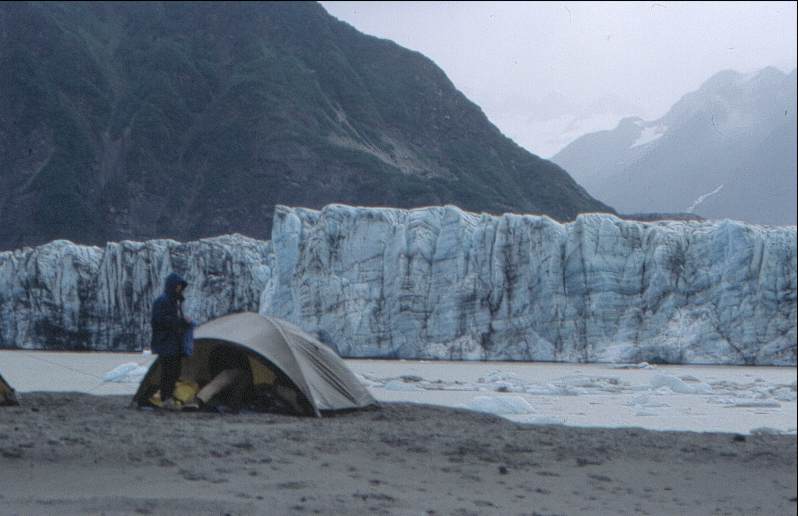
695	398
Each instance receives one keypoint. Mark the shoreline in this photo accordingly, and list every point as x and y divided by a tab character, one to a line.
94	454
434	360
698	398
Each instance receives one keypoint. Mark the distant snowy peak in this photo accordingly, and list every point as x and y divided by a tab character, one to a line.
754	95
724	96
736	130
769	76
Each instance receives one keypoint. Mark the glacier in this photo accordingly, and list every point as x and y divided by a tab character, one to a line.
437	283
72	297
440	283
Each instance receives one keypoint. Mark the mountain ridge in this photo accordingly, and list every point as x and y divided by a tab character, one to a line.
185	120
736	133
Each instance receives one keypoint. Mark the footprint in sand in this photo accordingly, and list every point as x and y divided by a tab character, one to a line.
382	497
293	485
191	475
11	453
547	474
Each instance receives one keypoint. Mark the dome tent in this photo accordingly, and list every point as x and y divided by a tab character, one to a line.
7	394
309	376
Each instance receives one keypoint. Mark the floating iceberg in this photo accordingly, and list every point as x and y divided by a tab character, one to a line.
130	372
501	405
678	385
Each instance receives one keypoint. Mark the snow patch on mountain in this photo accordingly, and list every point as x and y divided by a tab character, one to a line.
702	198
649	133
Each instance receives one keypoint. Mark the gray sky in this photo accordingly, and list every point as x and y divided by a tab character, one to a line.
547	72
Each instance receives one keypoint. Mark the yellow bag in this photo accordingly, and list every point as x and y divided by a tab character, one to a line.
185	390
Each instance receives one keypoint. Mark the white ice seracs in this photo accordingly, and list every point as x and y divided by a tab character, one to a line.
66	296
437	283
441	283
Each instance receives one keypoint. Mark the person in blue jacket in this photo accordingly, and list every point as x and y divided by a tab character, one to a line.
169	327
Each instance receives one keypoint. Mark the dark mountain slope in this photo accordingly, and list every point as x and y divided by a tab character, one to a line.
183	120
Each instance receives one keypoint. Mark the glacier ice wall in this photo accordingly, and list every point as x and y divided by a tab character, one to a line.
441	283
66	296
436	283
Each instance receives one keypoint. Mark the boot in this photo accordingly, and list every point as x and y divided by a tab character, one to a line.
171	404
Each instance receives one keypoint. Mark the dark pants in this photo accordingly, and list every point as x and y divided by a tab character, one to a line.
170	373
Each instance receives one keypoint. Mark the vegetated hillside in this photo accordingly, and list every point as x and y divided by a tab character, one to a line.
172	119
727	150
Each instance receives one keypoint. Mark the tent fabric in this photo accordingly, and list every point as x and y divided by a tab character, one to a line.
7	394
280	355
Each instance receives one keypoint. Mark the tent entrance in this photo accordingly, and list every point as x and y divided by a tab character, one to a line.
280	360
7	395
250	381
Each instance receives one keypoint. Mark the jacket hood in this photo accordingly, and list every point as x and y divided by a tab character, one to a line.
172	281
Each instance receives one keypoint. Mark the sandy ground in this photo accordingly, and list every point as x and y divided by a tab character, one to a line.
70	453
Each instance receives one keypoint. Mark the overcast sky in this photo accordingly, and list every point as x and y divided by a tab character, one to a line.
546	72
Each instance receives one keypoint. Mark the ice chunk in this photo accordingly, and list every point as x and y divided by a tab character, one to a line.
784	394
398	385
501	405
128	372
440	385
754	404
583	384
645	400
502	381
368	381
641	365
542	390
499	376
677	385
539	420
504	387
553	390
766	430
